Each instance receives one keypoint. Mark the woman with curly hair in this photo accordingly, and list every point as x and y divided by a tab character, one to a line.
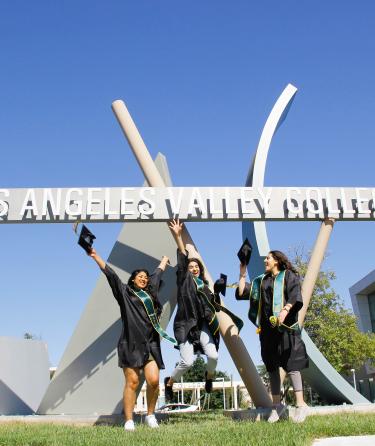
196	326
275	299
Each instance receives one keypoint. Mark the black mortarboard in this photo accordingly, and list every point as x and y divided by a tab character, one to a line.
220	285
245	252
86	239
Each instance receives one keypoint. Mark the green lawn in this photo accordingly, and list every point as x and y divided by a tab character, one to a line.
200	429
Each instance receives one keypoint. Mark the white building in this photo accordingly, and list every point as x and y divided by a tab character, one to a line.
230	390
362	294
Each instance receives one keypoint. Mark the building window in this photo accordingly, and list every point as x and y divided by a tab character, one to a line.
371	306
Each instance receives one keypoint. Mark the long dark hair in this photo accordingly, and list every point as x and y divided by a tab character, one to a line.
149	289
283	261
134	274
201	268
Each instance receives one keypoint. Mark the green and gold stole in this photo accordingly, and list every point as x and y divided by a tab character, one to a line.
150	310
277	302
214	323
255	300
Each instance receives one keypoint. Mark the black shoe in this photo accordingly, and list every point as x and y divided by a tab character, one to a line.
208	384
168	391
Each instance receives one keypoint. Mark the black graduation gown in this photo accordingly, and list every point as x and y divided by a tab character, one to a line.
138	337
280	349
192	309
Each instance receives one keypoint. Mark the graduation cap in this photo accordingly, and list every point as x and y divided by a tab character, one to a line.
245	252
220	285
86	239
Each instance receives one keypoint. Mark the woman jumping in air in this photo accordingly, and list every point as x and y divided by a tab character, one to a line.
196	325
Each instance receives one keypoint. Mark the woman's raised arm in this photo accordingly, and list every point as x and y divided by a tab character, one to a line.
94	255
163	263
176	228
242	279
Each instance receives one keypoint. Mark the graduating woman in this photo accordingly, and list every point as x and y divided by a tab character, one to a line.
196	326
139	344
275	299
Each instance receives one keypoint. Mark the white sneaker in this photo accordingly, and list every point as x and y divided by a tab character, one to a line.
277	412
151	421
129	425
300	414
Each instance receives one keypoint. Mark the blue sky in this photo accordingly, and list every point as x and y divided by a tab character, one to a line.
199	79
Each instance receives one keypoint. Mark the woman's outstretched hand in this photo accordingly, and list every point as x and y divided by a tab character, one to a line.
163	263
176	227
94	255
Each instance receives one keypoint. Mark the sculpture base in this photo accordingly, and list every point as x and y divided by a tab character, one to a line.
263	414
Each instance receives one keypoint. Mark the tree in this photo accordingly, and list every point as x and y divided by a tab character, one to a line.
262	371
332	327
28	335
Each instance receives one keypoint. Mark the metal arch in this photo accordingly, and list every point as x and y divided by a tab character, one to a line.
256	231
275	119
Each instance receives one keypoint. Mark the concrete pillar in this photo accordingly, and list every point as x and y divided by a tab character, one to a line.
314	265
235	397
228	330
182	390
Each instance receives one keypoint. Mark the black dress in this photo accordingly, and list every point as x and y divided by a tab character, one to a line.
138	338
280	349
192	308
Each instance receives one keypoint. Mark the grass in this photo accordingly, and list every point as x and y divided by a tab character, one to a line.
200	429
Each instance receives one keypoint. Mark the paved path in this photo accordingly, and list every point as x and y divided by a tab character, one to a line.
76	420
263	414
361	440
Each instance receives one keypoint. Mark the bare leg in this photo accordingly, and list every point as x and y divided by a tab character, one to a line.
151	372
282	375
299	399
130	389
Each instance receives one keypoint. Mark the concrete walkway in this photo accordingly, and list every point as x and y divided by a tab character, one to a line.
76	420
361	440
263	414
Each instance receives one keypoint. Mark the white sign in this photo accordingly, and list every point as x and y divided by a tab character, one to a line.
98	204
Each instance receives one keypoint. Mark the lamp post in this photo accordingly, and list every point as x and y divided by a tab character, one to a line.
371	385
354	383
222	379
182	390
